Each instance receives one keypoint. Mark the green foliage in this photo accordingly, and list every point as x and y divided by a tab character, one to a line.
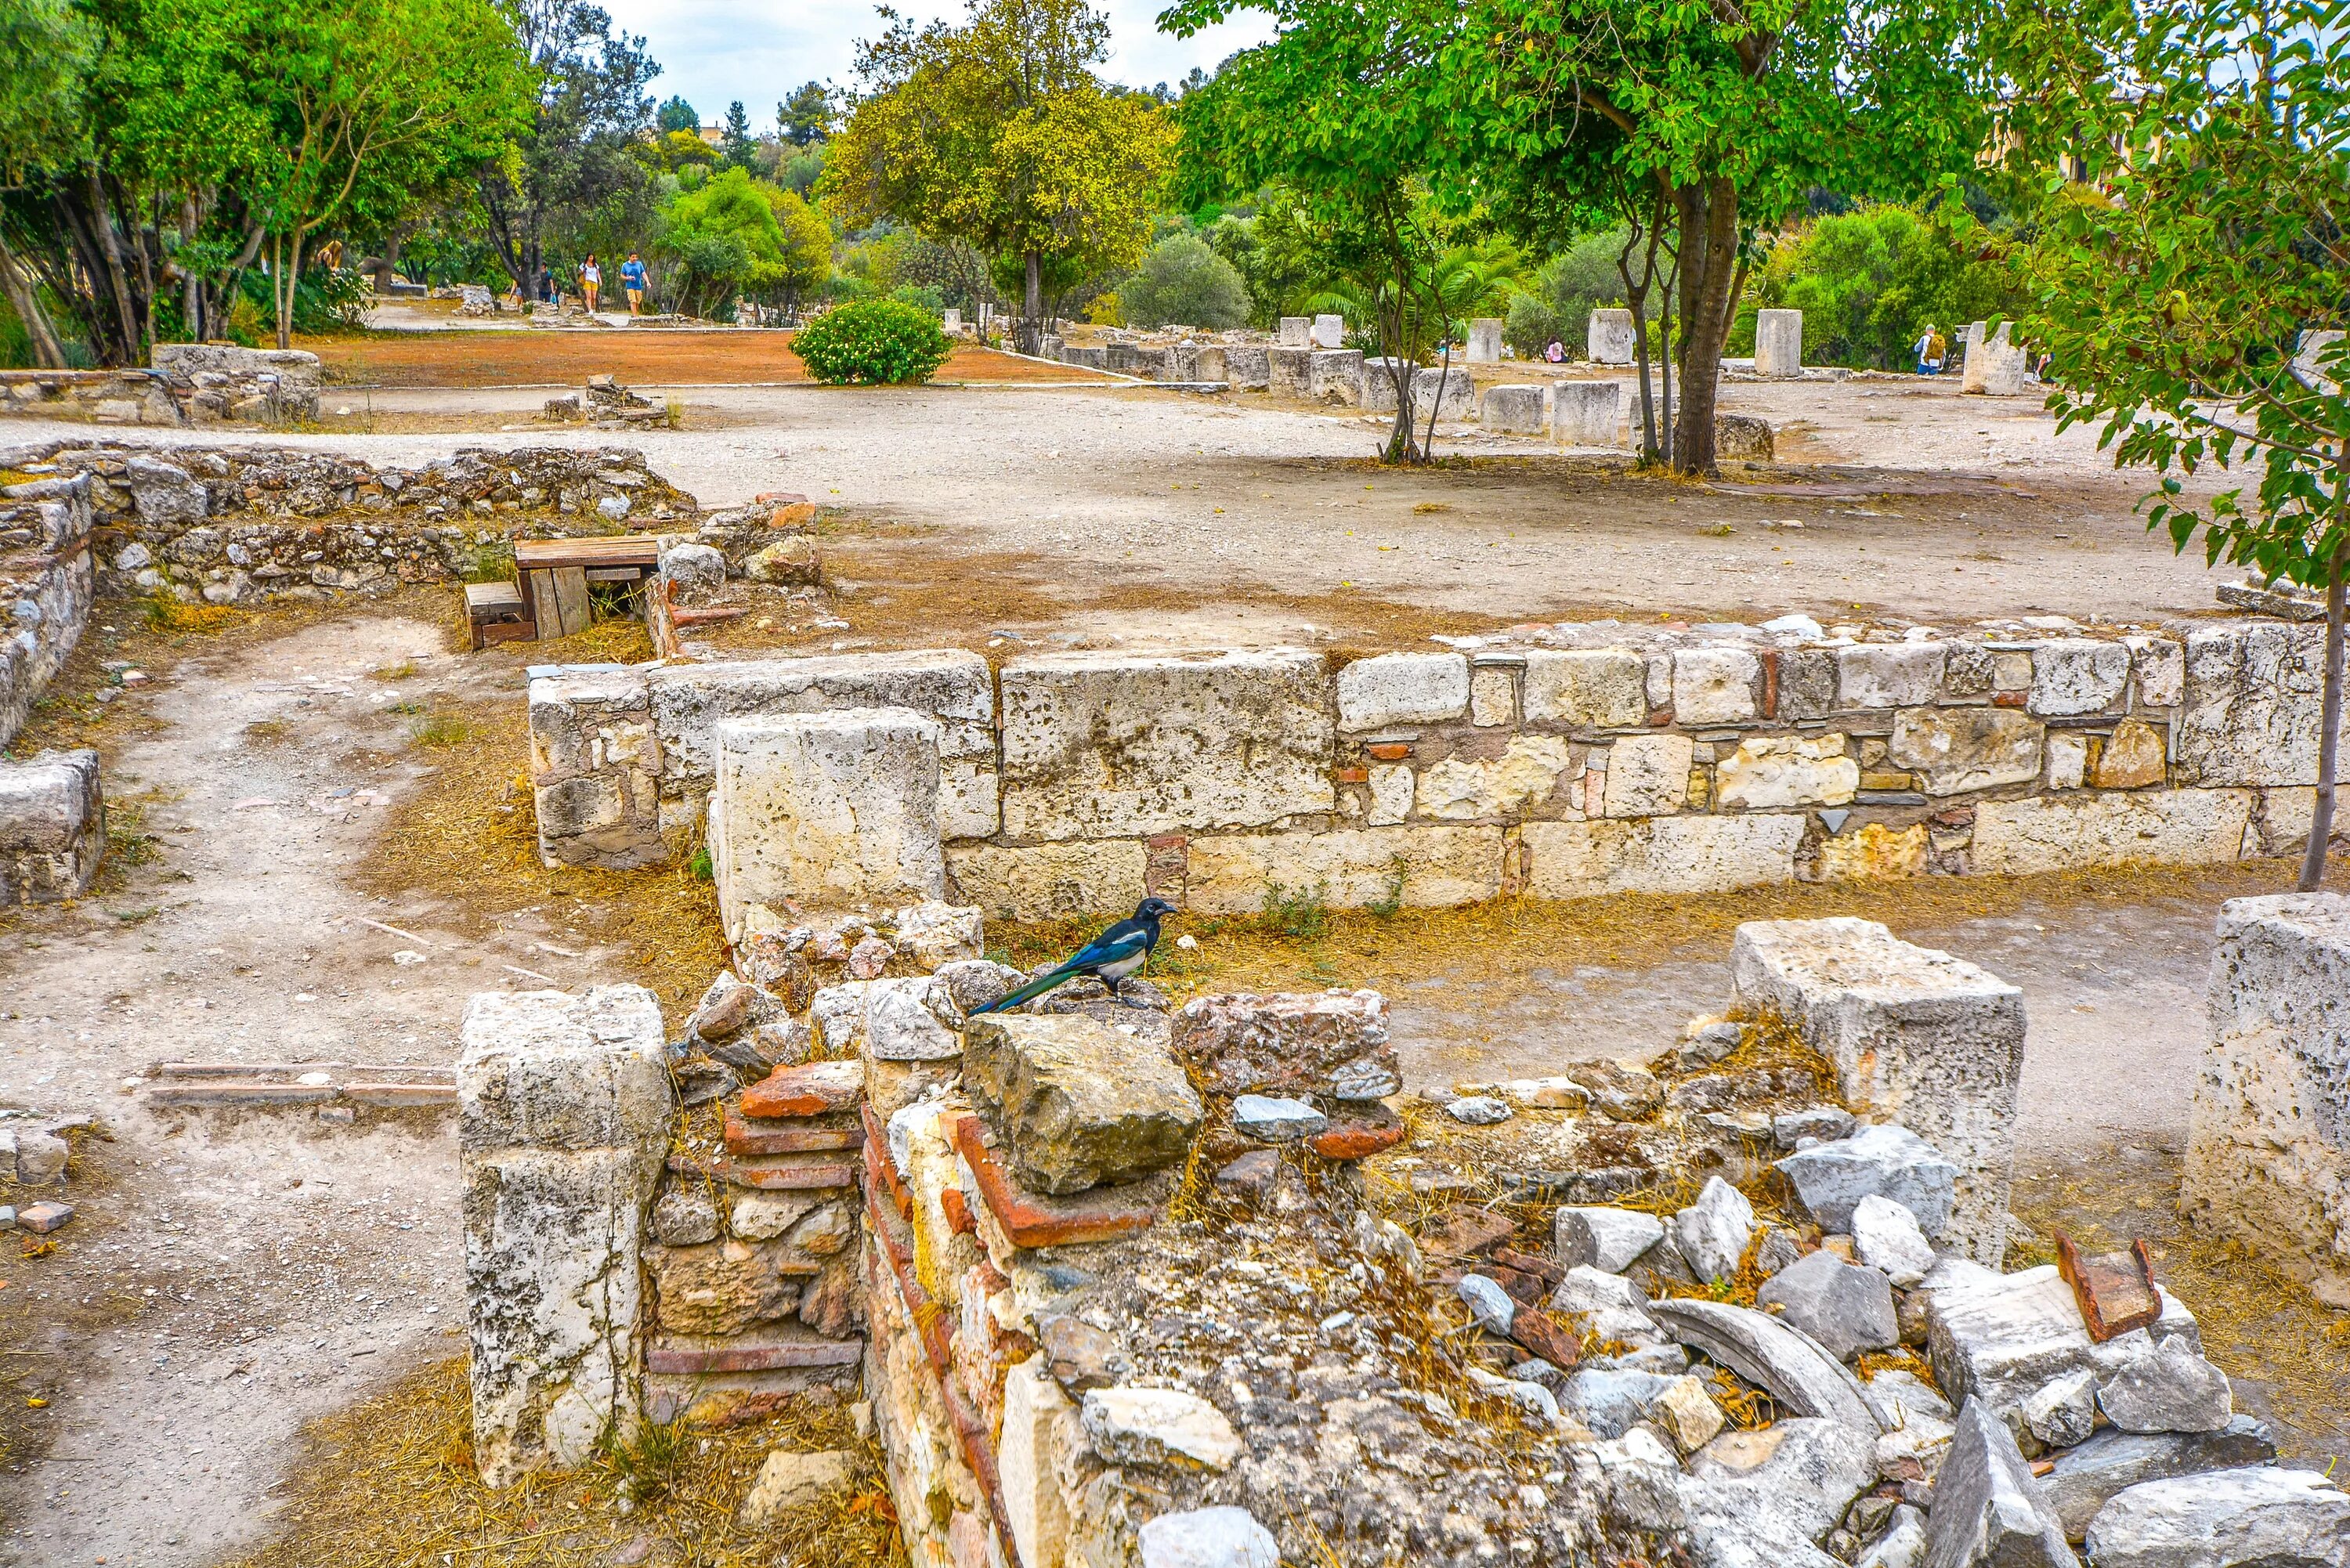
1869	282
873	342
736	236
735	143
1300	912
50	47
1277	250
675	114
999	134
1565	290
1182	280
806	116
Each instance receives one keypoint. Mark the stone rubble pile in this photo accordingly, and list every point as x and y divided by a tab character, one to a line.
606	405
190	383
35	1152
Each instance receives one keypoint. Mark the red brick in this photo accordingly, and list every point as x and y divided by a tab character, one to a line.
748	1138
2009	699
1030	1221
1463	1232
2115	1289
793	1178
812	1090
879	1170
1390	750
1352	776
958	1212
1546	1337
1358	1138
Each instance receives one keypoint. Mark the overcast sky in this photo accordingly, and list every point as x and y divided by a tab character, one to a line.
716	51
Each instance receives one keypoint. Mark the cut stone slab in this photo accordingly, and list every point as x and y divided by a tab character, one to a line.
838	809
1391	689
1990	1510
2062	1413
1782	1485
1609	1402
2111	1463
1714	1231
2254	1518
1918	1037
1846	1307
1793	1367
2167	1387
1887	1236
1078	1104
2001	1340
1269	1119
1885	1162
1209	1538
2271	1125
1605	1239
1334	1042
789	1480
1130	1425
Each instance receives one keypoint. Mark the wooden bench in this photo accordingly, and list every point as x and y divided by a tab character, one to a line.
554	575
496	614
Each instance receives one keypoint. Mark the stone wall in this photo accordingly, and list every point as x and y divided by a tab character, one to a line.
45	584
1561	762
52	827
190	383
242	524
2269	1157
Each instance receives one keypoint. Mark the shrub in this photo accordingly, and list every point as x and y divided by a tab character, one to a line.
1182	280
873	342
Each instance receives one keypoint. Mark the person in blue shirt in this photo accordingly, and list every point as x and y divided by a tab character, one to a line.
632	278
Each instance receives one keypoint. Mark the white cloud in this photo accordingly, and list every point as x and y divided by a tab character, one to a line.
716	51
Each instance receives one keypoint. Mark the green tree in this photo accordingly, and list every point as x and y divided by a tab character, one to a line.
735	143
1716	119
1868	283
1182	280
736	236
806	116
52	48
998	132
2189	166
676	114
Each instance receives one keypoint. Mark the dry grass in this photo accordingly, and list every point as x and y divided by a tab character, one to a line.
390	1483
468	835
2283	1350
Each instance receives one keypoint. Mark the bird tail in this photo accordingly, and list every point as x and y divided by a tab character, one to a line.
1034	987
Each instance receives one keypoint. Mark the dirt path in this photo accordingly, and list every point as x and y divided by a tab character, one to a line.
222	1282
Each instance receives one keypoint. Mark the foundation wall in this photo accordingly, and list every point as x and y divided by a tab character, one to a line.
190	384
1568	762
45	584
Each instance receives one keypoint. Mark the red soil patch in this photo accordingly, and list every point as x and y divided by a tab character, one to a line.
638	356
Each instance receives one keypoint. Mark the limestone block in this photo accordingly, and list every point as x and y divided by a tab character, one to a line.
1513	411
1028	1459
1889	674
1328	331
1600	689
1076	1102
2160	666
165	493
2268	1156
1960	748
1524	776
1872	852
1212	364
52	827
1207	1538
2170	827
1391	786
833	810
1743	437
1424	868
2252	704
1783	771
1391	689
1989	1507
1326	1043
1917	1036
1124	745
1585	413
1159	1426
563	1112
2072	675
1778	343
595	770
1492	698
2257	1517
1647	776
2068	760
1293	332
1050	881
1247	366
1994	366
2131	758
1484	346
1610	337
1334	375
949	686
1447	391
1661	854
1714	685
1289	371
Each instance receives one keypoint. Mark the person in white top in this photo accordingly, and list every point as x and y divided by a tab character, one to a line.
591	278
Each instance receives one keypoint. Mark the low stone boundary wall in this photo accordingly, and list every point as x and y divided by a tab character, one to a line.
2269	1159
190	383
52	827
1560	762
242	525
46	581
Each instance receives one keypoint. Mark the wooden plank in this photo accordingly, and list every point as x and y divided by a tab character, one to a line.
483	597
615	574
538	596
572	613
616	550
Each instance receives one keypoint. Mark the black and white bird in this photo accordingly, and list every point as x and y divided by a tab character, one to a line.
1109	958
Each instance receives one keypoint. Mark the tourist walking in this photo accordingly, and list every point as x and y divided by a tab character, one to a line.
1931	350
632	278
591	280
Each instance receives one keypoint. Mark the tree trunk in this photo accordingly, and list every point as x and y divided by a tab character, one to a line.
2320	818
1709	251
24	293
102	218
1028	337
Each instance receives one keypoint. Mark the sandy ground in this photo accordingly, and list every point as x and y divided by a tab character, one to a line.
544	356
1242	520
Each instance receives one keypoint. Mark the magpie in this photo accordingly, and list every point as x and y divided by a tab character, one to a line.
1110	957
